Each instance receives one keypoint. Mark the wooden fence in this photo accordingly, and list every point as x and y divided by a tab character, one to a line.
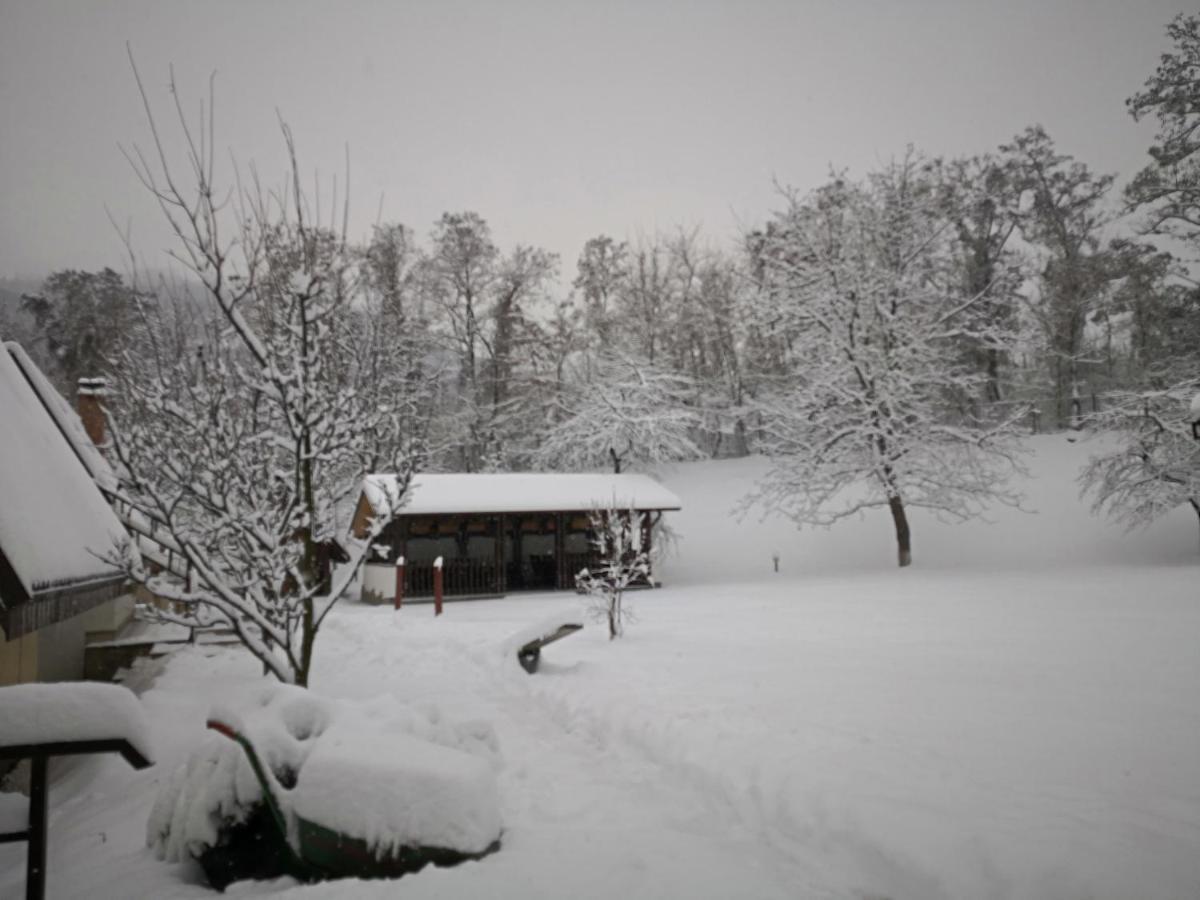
460	577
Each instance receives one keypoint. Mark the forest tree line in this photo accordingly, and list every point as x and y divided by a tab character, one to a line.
692	337
904	326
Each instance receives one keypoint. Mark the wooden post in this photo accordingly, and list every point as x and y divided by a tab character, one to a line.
437	586
560	552
35	866
399	581
498	551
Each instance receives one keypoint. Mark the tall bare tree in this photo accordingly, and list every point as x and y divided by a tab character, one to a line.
234	457
861	280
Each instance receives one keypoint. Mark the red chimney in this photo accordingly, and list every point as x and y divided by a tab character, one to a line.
89	403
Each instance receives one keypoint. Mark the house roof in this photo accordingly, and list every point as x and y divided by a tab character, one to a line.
55	523
520	492
65	418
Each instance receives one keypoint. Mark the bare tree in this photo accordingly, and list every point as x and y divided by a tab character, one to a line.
872	316
629	412
981	199
1063	216
1168	189
234	457
618	539
1155	467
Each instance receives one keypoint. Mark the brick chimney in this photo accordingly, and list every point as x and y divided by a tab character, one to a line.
89	403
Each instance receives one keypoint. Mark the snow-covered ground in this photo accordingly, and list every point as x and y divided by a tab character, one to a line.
1015	716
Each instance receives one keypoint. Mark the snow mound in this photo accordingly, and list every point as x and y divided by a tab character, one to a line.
214	789
404	792
391	774
72	711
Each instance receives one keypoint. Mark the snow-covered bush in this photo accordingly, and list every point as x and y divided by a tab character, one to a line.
212	808
400	779
618	540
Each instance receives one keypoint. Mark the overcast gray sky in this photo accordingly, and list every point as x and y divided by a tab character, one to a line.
556	121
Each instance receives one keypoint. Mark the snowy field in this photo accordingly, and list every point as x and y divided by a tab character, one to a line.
1016	716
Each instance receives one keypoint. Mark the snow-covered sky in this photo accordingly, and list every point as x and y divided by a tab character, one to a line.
555	120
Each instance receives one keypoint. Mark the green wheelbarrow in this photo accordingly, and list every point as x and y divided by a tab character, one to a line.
343	820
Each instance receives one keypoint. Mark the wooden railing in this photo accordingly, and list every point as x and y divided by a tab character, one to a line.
577	561
460	577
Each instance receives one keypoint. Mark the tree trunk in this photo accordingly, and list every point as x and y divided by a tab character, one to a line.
616	461
1196	506
903	540
993	375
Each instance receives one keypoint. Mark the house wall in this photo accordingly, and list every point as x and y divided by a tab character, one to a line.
55	652
104	621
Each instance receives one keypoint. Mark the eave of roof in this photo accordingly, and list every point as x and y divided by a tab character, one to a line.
518	492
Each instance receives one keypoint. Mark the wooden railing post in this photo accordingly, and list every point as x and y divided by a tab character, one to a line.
437	586
399	581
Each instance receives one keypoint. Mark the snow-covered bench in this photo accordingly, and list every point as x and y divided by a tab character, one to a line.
38	721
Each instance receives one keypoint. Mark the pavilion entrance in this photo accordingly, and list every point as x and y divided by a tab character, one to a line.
531	552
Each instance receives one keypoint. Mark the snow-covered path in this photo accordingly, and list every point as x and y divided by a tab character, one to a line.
600	813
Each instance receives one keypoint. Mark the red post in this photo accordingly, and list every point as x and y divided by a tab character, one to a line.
437	586
399	581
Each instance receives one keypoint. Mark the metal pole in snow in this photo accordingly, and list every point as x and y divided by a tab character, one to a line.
437	586
399	581
35	862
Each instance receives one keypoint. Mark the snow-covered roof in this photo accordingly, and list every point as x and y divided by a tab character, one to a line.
520	492
65	418
53	520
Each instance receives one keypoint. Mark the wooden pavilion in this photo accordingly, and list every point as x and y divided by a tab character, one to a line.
496	533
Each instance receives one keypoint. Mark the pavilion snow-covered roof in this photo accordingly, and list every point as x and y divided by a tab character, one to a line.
510	492
54	523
